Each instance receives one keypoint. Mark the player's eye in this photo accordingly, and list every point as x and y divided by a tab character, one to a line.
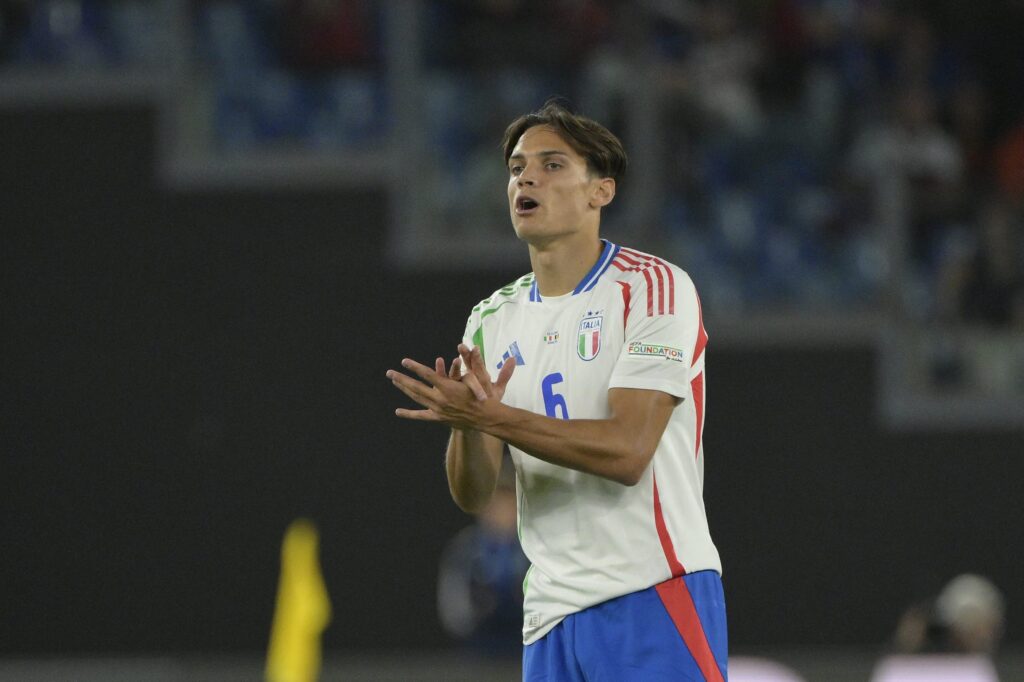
515	170
553	165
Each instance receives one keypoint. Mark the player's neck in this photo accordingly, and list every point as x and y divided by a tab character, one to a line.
560	265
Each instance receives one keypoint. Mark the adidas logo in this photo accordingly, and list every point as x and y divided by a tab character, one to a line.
512	352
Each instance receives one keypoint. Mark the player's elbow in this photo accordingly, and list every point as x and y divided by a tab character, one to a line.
627	478
633	466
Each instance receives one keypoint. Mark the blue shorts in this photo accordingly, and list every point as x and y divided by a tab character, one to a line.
670	632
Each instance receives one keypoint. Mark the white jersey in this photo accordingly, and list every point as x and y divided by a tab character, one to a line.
634	321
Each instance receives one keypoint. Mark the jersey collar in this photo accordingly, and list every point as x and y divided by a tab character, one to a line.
589	280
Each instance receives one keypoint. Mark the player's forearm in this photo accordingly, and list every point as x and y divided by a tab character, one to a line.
472	469
602	447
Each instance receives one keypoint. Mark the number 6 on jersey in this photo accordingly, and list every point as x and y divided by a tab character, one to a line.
552	400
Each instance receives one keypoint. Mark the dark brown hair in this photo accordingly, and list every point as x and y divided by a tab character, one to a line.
602	150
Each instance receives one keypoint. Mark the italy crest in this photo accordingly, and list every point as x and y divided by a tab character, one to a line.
589	337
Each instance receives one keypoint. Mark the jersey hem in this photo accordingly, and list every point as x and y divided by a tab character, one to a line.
535	637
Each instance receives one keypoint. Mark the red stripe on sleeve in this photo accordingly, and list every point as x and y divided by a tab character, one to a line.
661	289
625	302
671	291
666	541
697	389
635	253
678	601
629	260
650	293
632	261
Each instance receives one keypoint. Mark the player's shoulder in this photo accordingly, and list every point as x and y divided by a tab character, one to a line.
512	292
645	269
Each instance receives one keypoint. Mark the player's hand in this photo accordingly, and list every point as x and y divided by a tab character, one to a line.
454	373
479	379
445	396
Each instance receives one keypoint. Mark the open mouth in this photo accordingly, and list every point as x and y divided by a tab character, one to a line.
526	205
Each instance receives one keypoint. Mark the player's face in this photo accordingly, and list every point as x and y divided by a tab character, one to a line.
551	193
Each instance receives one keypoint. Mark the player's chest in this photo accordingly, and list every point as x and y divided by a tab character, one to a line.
564	357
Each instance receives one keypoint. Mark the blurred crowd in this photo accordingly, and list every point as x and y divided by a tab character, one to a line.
77	33
812	154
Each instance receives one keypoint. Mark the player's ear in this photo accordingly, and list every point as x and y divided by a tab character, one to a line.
603	192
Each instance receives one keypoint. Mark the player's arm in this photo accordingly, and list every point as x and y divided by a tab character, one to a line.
472	461
618	448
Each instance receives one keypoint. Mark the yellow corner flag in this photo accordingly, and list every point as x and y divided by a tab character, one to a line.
303	609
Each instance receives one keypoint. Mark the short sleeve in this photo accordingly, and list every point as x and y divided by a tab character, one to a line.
662	343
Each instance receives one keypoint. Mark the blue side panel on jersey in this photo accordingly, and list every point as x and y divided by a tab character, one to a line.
630	639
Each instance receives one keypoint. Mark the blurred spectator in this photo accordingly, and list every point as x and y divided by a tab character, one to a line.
992	287
970	120
322	35
966	617
546	35
480	585
1010	164
717	69
85	34
912	148
922	60
60	32
722	65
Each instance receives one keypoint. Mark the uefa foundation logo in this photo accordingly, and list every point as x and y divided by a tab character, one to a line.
589	336
654	350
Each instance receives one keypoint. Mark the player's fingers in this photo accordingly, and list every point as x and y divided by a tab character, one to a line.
475	361
466	355
419	392
506	373
418	398
474	365
422	371
418	415
456	370
439	367
474	385
482	373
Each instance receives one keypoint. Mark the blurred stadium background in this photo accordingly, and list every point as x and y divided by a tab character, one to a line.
223	221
